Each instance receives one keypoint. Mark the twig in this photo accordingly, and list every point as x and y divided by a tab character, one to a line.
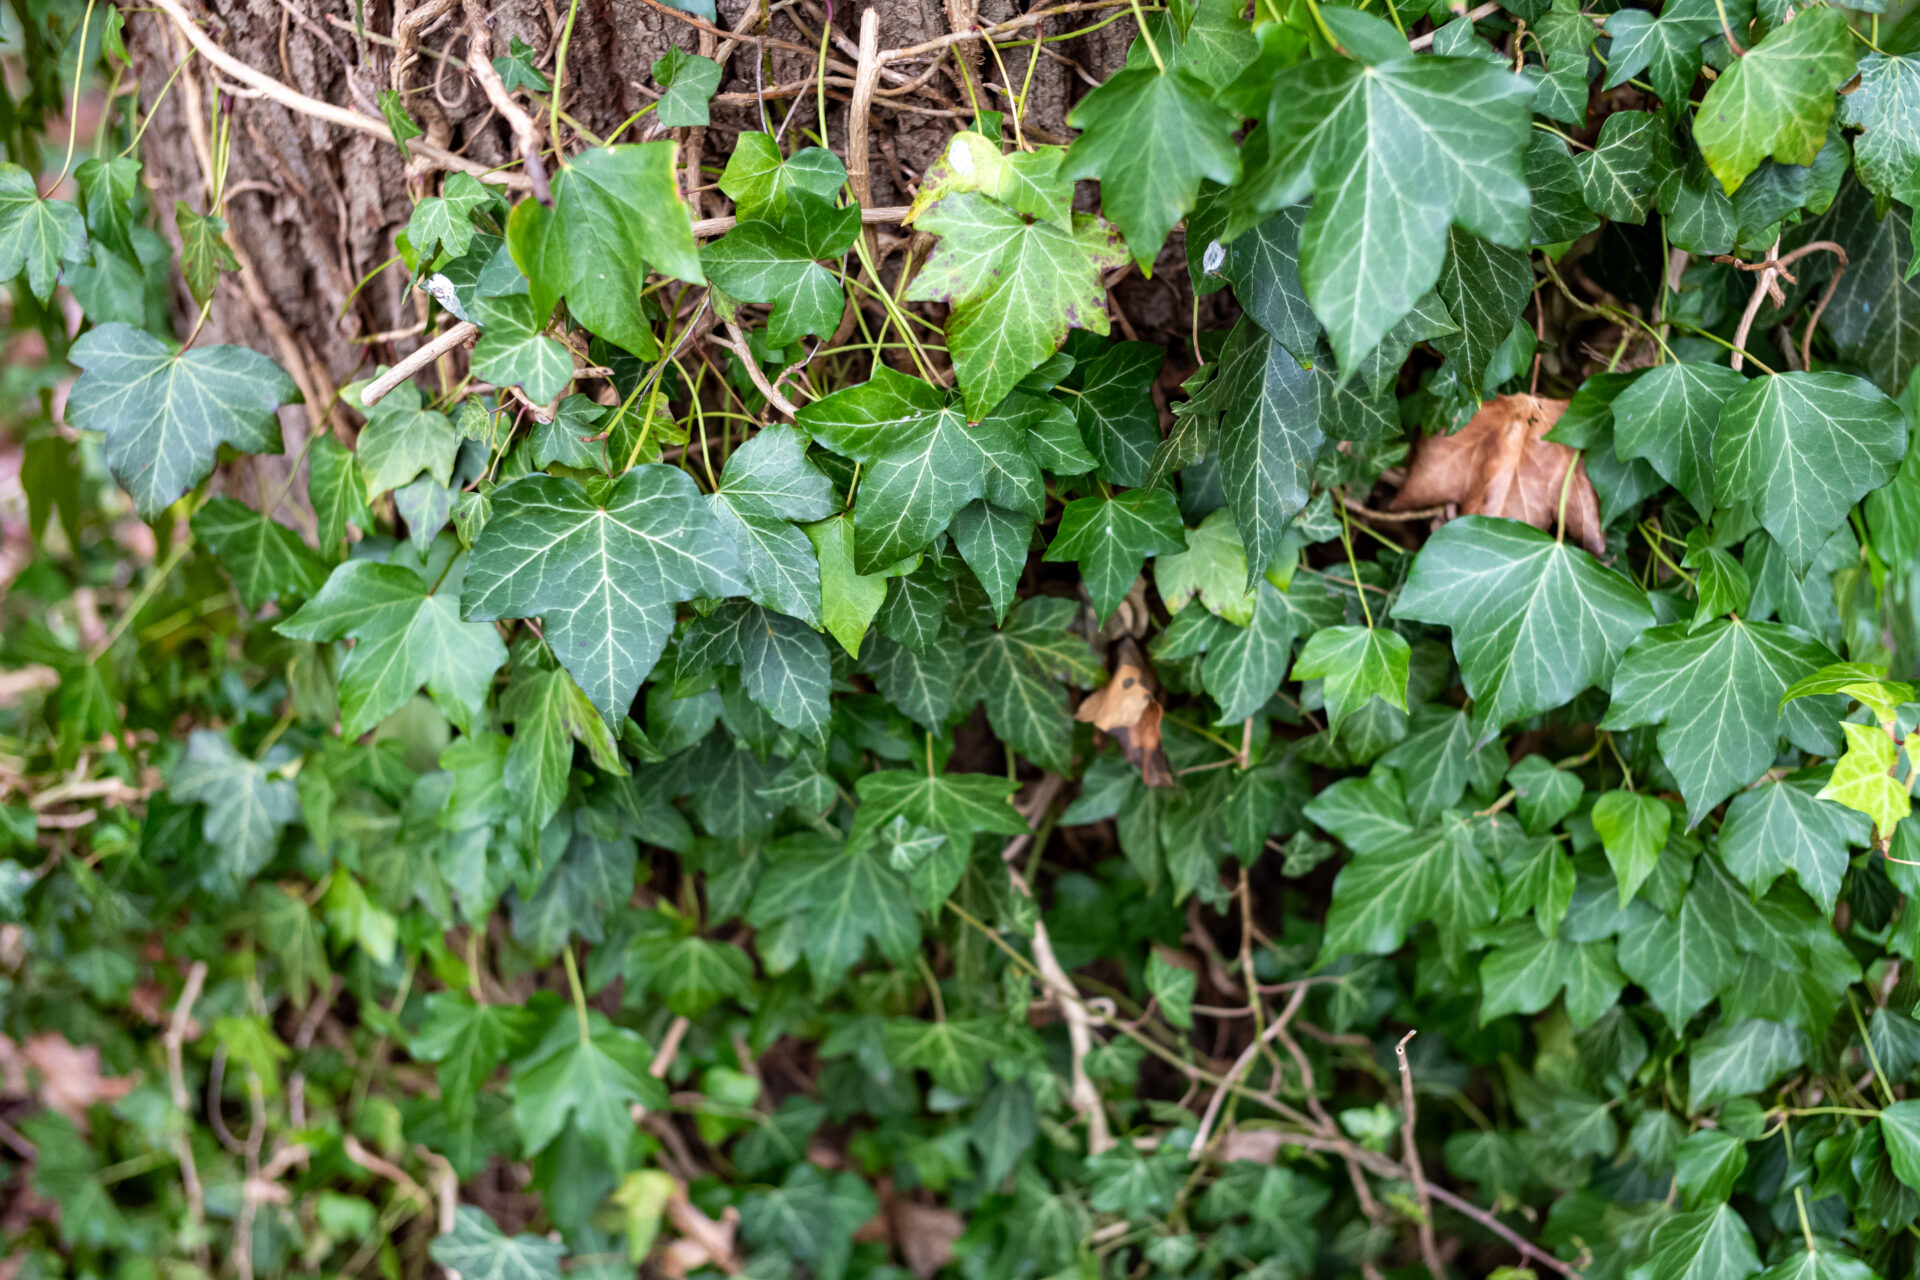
738	346
992	30
294	100
1770	269
250	1189
1429	1248
526	136
866	80
1425	41
174	1039
421	356
1239	1068
1392	517
669	1048
386	1169
707	228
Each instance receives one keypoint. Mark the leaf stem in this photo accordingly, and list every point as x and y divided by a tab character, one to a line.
1346	540
1140	22
73	116
579	995
560	80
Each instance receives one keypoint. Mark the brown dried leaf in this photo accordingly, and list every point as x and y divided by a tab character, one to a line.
1126	708
702	1243
1499	465
925	1235
68	1076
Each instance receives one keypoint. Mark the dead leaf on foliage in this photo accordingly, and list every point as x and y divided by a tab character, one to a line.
65	1077
703	1242
1259	1146
924	1235
1499	465
1126	708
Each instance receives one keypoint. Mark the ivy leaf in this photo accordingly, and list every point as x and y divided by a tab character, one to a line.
810	1217
467	1041
1173	986
1356	664
166	413
954	1053
1682	962
604	575
760	182
1028	182
1668	415
549	713
1112	536
37	235
591	1074
265	559
1150	137
247	807
783	664
1666	48
1886	105
444	223
478	1250
1560	212
1245	669
512	350
1543	794
994	542
1534	621
922	464
1524	975
1393	154
1016	669
204	252
1777	99
400	126
1731	1061
1784	826
757	262
516	70
1015	289
1438	874
848	600
1632	829
689	81
1620	176
768	483
403	439
1264	268
1114	408
1213	567
691	974
1863	778
1874	316
920	685
1484	287
1708	1244
1712	692
1900	1128
840	899
337	490
406	634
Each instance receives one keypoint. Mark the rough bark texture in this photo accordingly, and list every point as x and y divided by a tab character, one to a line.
314	209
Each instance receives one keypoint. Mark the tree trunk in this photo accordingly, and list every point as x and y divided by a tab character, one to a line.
314	207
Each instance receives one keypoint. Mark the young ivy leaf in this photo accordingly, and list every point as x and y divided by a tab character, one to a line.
1665	49
1778	98
1534	621
604	574
1785	826
1028	182
688	81
403	438
1356	664
444	223
761	262
1150	137
166	413
406	634
393	108
512	350
761	183
516	70
478	1250
1632	829
1015	288
1438	874
840	899
204	252
1393	155
37	235
1863	778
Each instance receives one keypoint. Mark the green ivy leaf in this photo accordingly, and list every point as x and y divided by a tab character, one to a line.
1534	621
513	351
204	252
591	1074
1028	182
1524	975
1711	693
1114	407
1015	288
407	633
467	1041
1886	105
403	439
1778	98
265	559
1731	1061
1150	138
1668	415
757	262
603	575
516	70
1437	875
840	899
1681	962
1805	447
760	182
1112	536
166	413
1484	286
444	223
1665	48
1632	829
337	489
767	484
688	81
1393	155
1710	1244
478	1250
1784	826
1356	664
246	805
400	125
37	236
1619	177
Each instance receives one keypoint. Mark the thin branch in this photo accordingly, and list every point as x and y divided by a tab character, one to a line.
1410	1152
422	356
738	346
707	228
1425	41
1239	1068
526	135
174	1039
